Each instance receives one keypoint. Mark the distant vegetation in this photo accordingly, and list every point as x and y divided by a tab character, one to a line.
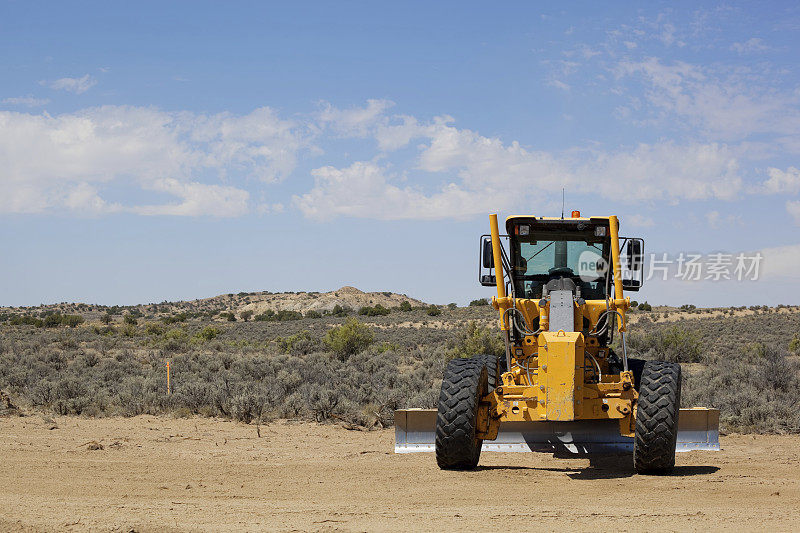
272	316
348	339
47	320
378	310
747	366
358	369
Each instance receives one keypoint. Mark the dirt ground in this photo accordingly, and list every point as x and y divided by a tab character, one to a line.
156	474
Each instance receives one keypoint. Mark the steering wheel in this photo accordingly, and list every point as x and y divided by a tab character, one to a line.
560	271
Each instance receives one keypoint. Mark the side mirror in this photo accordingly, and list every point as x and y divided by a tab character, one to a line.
488	281
635	256
488	254
631	285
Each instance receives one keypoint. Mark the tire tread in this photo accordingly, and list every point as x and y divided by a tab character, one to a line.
464	381
657	418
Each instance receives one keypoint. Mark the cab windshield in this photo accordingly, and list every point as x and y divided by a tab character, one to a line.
545	255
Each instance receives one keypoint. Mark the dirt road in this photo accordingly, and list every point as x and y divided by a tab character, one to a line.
200	474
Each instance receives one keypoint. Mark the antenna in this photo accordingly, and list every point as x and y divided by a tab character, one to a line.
562	203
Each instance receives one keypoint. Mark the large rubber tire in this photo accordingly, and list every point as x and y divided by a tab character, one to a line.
493	369
657	418
465	381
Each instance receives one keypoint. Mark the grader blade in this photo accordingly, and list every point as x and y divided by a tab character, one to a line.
698	429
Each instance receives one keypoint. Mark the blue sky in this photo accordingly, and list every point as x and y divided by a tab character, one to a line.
155	151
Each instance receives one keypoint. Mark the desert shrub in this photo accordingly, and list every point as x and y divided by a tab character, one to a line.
645	307
246	314
754	390
388	346
268	369
180	317
26	320
794	345
433	310
154	329
248	403
272	316
300	343
378	310
108	330
675	344
474	340
348	339
175	340
206	334
479	302
284	314
172	319
130	319
52	320
312	314
266	316
72	320
452	305
405	306
340	311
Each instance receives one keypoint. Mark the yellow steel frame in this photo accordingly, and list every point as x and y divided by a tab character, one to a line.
548	381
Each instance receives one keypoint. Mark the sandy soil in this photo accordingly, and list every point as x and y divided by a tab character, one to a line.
200	474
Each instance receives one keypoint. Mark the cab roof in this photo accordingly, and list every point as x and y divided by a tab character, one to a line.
526	218
555	222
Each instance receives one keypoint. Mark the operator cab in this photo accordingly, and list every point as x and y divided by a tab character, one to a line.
559	254
547	254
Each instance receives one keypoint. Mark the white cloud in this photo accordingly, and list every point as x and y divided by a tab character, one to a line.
460	173
782	181
209	163
356	121
74	85
751	45
781	262
793	208
489	166
558	84
259	143
395	136
667	35
666	171
725	105
83	198
366	190
583	50
27	101
639	221
78	151
197	199
716	220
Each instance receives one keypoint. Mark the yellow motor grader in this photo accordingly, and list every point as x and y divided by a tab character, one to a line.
561	385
